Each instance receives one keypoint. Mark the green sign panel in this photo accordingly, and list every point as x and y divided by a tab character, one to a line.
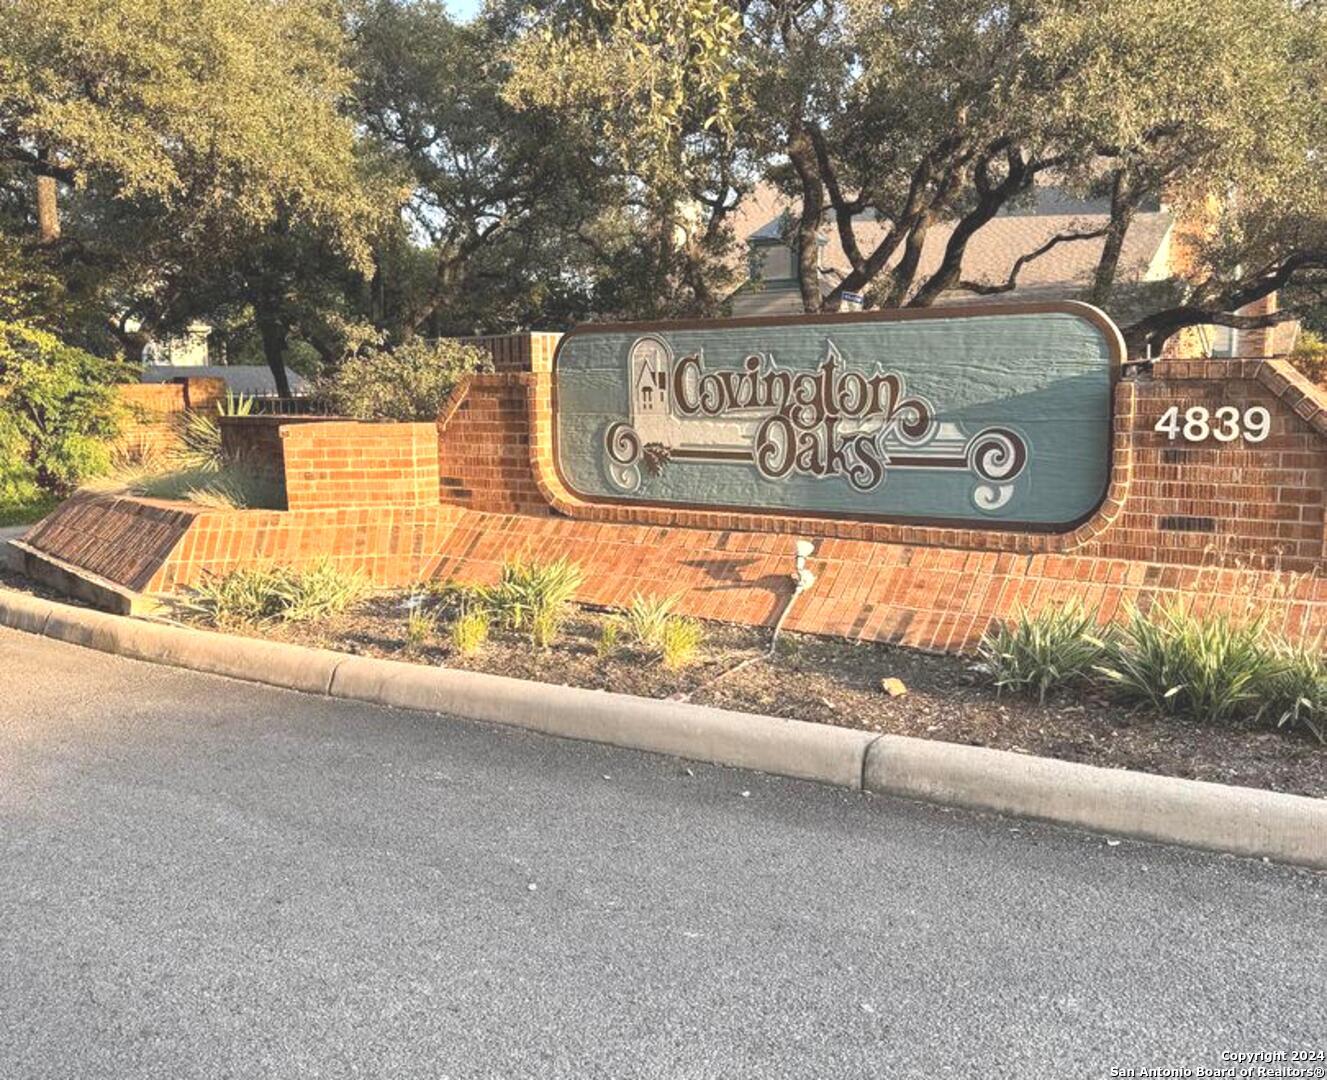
998	416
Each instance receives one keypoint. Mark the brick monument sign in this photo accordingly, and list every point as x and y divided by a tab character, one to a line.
951	466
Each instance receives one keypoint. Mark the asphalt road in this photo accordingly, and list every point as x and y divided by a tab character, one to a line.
204	878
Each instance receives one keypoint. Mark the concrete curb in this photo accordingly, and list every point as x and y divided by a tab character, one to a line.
1216	817
1241	821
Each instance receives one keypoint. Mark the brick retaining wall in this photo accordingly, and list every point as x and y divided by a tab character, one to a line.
1196	504
155	411
1230	526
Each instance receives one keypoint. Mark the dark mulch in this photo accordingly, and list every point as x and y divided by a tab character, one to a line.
838	682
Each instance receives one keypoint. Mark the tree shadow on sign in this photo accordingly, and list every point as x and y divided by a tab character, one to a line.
726	574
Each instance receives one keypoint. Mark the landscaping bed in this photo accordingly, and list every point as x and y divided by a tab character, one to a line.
839	682
823	680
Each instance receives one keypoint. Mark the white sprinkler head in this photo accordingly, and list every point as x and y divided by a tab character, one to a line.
803	578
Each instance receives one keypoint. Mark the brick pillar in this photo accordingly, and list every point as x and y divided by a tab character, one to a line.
1259	342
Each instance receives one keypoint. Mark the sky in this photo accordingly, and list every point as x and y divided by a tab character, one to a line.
463	9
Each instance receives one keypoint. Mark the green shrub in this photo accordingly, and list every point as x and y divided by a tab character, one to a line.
232	487
257	595
469	630
22	503
59	411
248	596
410	382
1205	668
606	646
1310	357
420	624
200	434
1297	694
1034	654
647	617
544	627
679	641
533	596
322	588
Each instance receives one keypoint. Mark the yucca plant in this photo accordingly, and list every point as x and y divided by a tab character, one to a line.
235	404
200	443
1208	668
322	588
255	595
533	596
1059	646
249	596
469	630
420	624
1297	693
200	435
648	616
679	641
544	627
606	646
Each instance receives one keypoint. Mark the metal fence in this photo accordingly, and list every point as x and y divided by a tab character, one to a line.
275	405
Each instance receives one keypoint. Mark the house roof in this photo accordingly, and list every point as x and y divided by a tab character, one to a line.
993	249
242	378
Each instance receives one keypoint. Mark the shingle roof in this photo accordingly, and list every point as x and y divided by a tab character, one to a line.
993	250
242	378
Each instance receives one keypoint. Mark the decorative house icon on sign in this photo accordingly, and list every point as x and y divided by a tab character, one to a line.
649	366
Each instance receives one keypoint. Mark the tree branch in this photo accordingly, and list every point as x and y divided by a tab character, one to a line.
1011	282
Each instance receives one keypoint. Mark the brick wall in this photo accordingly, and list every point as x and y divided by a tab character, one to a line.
1214	523
392	545
341	463
483	440
1219	502
155	412
938	599
1169	502
518	352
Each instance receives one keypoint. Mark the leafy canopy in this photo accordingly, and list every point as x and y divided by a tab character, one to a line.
58	411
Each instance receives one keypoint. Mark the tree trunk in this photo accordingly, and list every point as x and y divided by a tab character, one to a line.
801	152
48	207
1121	217
274	334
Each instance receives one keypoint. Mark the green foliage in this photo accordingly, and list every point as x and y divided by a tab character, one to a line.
322	588
544	627
607	644
1205	668
200	434
680	640
58	411
257	595
230	108
654	627
651	74
1058	647
227	487
648	617
1296	696
469	630
421	623
22	505
410	382
200	443
1310	357
534	596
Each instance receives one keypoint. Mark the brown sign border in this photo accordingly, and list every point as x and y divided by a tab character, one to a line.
1094	315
